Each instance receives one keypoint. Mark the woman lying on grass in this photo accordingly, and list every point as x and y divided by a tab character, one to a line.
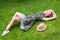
27	21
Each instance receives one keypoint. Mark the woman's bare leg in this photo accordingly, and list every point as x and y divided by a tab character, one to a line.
16	17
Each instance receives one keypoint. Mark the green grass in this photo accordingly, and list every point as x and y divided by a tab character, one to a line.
9	7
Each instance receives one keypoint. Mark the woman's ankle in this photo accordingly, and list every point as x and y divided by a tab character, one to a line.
6	30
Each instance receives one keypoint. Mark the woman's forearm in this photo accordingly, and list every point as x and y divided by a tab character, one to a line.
54	14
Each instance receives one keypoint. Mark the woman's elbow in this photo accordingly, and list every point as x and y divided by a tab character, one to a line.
55	17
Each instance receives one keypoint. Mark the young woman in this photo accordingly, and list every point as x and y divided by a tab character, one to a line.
27	21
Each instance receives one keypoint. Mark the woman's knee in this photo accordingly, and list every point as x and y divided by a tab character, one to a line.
16	19
18	13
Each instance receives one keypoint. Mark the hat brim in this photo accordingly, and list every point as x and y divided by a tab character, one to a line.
41	27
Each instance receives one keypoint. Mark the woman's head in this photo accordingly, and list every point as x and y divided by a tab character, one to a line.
47	13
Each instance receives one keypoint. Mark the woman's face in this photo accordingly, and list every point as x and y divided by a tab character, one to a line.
47	13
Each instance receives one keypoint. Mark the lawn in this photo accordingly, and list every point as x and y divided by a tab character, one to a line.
8	9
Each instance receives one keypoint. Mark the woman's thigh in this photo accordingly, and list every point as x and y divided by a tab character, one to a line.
17	19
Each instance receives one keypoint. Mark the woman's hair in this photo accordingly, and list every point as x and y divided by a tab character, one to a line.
49	14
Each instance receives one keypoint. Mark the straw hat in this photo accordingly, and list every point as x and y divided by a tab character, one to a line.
41	27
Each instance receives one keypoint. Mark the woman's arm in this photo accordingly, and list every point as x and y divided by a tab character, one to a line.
50	18
54	14
47	19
